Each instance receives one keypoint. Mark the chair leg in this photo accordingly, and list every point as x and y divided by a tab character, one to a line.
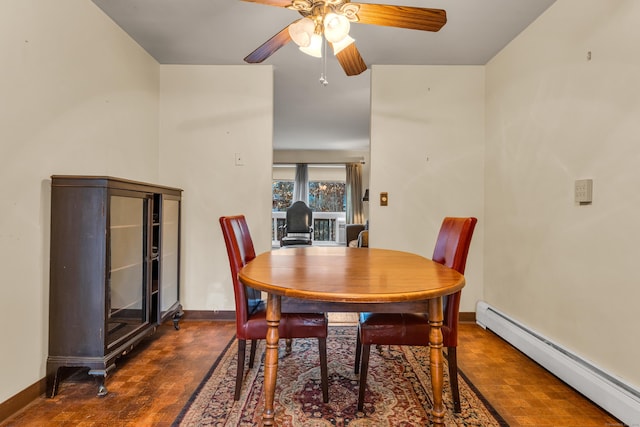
252	353
324	377
242	345
288	344
364	368
356	367
453	378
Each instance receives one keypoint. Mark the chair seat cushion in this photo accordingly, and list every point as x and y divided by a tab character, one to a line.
292	325
394	329
290	241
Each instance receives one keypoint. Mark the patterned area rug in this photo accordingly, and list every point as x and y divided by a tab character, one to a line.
398	389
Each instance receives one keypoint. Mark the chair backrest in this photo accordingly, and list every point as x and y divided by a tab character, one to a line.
453	242
299	218
452	248
240	251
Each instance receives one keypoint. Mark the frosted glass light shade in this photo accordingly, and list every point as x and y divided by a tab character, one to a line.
336	27
315	47
301	31
339	46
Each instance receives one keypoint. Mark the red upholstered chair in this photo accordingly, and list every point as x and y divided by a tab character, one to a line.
412	329
251	323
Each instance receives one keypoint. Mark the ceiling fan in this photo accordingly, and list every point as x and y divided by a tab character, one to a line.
331	19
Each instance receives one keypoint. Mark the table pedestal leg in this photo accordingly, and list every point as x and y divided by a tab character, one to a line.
435	355
271	358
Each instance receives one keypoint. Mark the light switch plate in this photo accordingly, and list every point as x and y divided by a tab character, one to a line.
584	191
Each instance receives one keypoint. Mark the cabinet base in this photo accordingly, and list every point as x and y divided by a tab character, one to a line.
98	367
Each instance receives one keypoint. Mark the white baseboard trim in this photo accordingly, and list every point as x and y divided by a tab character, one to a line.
610	393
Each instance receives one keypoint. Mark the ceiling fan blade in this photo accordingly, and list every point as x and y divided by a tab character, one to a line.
351	61
413	18
269	47
279	3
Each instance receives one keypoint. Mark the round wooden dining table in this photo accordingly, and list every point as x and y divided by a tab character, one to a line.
342	279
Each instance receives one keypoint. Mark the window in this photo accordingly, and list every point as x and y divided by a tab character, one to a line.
327	199
282	193
327	188
327	196
324	196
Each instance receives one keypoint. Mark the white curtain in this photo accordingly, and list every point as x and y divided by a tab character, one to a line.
301	184
355	211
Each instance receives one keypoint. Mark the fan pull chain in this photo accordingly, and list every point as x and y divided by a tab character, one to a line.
323	73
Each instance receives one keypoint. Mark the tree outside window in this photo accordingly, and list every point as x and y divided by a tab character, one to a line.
327	196
324	196
282	193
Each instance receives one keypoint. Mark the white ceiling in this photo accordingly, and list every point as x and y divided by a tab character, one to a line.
308	115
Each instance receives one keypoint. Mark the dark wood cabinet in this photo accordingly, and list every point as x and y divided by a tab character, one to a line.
114	270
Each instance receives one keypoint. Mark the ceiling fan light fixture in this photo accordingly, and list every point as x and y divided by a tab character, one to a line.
315	46
336	27
339	46
302	31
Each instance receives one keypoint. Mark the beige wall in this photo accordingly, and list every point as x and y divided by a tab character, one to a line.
427	152
78	96
315	173
207	114
553	116
319	156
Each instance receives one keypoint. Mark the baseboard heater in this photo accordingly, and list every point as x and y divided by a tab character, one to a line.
610	393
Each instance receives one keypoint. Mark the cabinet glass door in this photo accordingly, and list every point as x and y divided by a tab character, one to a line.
170	253
126	293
